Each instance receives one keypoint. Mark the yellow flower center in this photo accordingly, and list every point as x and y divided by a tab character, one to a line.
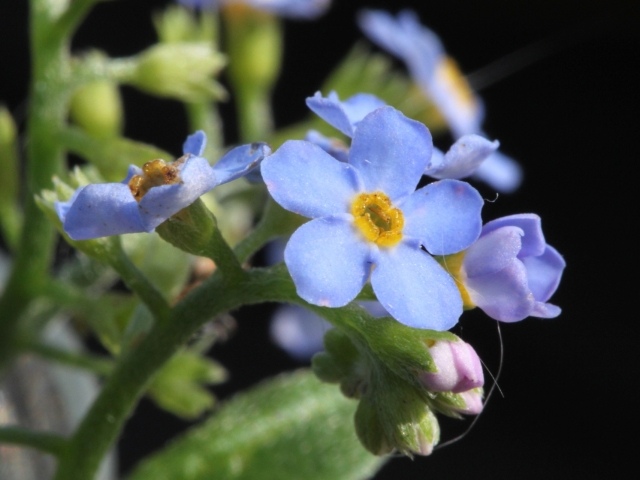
377	219
154	173
448	73
453	265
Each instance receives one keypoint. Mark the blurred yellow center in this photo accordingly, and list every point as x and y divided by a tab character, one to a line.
154	173
377	219
453	265
448	73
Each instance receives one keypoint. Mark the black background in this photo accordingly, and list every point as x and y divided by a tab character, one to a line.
569	401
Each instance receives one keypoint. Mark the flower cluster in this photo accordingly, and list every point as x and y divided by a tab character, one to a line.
375	239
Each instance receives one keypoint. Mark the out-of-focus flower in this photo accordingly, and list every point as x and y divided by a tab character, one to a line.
298	331
366	213
509	272
302	9
150	195
458	367
439	77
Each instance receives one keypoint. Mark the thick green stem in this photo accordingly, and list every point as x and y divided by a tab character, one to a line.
47	113
45	442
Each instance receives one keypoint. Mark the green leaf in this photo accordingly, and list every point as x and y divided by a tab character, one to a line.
290	427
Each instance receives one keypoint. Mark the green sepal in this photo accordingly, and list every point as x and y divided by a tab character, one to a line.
177	24
179	385
190	230
289	427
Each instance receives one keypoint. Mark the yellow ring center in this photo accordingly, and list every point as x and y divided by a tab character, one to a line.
378	220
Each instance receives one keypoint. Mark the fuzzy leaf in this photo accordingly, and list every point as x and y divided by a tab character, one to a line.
290	427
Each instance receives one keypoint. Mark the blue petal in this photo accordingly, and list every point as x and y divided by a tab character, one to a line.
329	264
415	289
533	242
161	202
195	144
444	216
306	180
298	9
500	172
298	331
239	161
391	152
544	272
334	147
331	111
462	159
504	295
101	210
493	251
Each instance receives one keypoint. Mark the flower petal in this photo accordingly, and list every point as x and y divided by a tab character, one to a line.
503	295
298	331
545	272
391	152
334	147
444	216
327	261
195	144
415	289
102	209
500	172
306	180
331	111
462	159
533	242
493	252
239	161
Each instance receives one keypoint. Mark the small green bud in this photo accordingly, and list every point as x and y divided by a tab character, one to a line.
183	71
255	47
177	24
97	108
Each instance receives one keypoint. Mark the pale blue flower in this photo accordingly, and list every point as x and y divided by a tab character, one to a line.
301	9
151	194
439	77
369	222
510	272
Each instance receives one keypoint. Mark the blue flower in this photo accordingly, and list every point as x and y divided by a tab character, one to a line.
509	272
368	221
440	78
151	194
465	157
302	9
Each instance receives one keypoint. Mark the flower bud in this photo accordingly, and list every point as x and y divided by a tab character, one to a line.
182	71
97	108
458	368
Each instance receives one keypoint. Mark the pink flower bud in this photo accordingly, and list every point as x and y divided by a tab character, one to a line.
459	368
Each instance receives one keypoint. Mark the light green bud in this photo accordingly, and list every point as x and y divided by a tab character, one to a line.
97	108
182	71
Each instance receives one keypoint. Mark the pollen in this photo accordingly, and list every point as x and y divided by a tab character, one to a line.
377	219
154	173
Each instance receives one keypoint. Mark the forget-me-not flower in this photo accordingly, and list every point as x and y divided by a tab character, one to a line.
440	79
369	222
509	272
150	195
301	9
463	159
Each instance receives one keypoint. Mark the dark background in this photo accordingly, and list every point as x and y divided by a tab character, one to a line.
569	401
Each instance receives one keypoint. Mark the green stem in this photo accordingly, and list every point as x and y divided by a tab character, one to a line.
275	222
101	366
42	441
48	109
